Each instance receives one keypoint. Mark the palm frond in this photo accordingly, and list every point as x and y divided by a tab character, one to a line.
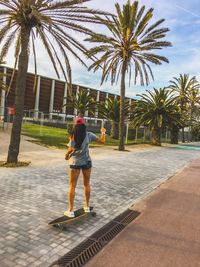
50	20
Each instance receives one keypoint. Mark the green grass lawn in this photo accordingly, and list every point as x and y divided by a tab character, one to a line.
44	135
57	137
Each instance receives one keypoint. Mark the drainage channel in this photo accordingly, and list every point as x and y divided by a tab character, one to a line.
81	254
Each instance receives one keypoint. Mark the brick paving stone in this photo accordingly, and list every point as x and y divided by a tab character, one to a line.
7	262
11	256
31	259
31	197
37	263
63	251
44	258
54	245
53	258
2	251
21	262
22	255
43	264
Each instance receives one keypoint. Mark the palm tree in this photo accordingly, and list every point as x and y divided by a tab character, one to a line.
194	107
185	89
128	49
156	109
21	22
194	101
82	102
176	124
110	110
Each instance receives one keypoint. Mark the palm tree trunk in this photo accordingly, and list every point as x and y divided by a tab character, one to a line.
174	135
115	130
183	135
156	137
122	100
19	98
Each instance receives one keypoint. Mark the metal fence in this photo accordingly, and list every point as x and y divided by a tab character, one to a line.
61	120
5	119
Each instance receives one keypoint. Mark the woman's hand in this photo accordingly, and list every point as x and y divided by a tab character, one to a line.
103	130
69	151
67	156
103	136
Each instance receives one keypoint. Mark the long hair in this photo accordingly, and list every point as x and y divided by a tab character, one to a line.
78	134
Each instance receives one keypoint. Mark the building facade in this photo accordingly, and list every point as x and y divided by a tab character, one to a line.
50	96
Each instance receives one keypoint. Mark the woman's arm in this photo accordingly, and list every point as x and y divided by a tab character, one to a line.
69	151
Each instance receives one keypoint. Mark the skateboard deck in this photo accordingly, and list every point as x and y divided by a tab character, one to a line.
78	213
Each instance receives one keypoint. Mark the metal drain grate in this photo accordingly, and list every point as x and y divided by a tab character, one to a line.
127	217
85	255
81	254
104	239
102	231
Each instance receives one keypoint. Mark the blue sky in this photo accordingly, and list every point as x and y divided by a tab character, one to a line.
183	20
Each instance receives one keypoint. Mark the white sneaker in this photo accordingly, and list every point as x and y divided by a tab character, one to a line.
69	213
86	209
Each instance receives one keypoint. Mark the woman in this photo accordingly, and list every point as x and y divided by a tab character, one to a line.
79	159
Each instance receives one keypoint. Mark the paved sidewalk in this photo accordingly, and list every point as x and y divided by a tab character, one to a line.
32	196
166	233
29	151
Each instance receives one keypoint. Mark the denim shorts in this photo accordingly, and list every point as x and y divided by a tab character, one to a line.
83	167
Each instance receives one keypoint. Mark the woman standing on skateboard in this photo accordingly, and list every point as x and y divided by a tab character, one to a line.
79	159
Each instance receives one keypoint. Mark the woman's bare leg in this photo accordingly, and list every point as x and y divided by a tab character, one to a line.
73	178
86	183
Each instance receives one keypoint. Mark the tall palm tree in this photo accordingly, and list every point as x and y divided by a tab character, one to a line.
174	125
110	110
156	109
82	102
194	101
21	22
128	49
194	107
185	88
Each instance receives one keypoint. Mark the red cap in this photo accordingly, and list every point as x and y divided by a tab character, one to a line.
79	120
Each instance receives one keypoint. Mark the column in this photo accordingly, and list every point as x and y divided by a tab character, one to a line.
127	126
77	91
51	99
3	95
64	108
86	112
97	100
37	98
130	102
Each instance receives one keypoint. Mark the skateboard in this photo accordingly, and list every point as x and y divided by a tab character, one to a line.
61	221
